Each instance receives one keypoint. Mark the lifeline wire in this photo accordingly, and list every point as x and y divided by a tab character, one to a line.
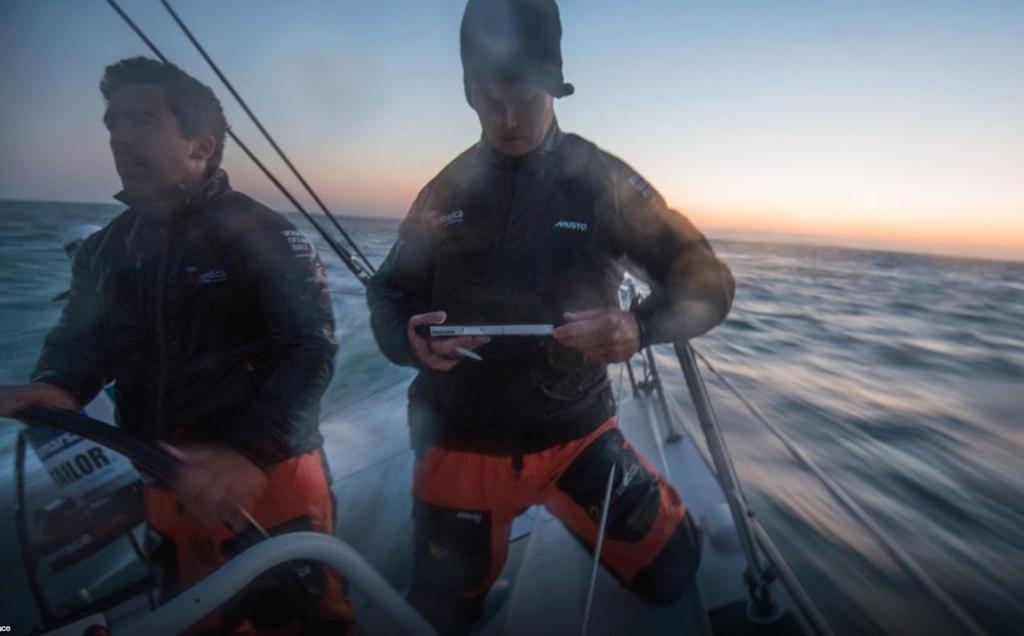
266	134
357	269
597	548
902	558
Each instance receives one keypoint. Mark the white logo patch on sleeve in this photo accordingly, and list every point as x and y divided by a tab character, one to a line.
300	244
641	186
452	217
213	276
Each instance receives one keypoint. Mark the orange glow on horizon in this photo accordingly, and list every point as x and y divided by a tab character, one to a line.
378	190
960	234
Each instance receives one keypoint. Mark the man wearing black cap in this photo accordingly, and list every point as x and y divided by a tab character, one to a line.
532	225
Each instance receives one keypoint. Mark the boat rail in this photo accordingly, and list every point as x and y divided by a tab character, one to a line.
193	604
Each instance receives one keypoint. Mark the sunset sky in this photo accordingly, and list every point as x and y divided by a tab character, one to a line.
888	124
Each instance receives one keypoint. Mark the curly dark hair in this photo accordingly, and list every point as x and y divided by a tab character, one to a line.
193	103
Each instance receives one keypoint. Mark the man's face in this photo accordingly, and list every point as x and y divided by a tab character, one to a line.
514	116
150	152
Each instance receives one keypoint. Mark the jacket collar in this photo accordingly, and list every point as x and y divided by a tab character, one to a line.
179	198
489	156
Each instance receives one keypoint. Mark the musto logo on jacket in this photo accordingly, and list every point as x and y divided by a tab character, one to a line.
578	226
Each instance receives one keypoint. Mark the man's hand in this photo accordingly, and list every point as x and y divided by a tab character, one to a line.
603	335
438	353
15	398
215	482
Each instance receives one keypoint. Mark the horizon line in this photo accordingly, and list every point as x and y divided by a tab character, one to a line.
716	233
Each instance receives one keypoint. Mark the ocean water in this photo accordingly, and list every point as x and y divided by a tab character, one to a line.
900	375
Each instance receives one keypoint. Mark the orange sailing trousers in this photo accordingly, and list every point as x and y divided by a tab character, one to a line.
297	498
465	503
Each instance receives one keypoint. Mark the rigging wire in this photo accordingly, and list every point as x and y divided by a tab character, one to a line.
357	269
909	565
262	129
602	526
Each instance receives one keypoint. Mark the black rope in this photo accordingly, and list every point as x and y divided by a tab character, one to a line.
357	269
259	125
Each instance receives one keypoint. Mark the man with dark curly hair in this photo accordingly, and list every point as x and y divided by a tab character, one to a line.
533	225
210	314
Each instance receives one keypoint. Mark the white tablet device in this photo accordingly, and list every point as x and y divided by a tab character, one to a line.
492	331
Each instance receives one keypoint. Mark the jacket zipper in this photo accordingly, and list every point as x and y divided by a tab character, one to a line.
161	339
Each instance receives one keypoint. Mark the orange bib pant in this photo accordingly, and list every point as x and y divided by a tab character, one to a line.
297	498
465	503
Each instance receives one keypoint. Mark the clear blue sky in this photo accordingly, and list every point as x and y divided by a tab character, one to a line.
898	122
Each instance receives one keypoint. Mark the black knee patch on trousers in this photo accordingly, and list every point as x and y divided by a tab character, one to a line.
635	494
665	579
452	556
263	602
163	555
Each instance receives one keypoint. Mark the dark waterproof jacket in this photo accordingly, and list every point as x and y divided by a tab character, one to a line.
512	240
212	319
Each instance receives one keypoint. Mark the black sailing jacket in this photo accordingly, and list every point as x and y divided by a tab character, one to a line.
214	324
500	239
